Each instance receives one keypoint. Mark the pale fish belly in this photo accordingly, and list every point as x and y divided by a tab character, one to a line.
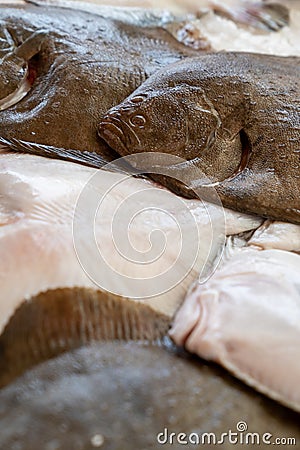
39	198
278	235
247	318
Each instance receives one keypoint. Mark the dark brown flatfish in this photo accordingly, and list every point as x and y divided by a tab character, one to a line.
63	319
84	64
235	116
125	388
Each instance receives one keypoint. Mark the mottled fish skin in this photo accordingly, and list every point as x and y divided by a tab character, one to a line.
85	65
233	115
107	392
247	318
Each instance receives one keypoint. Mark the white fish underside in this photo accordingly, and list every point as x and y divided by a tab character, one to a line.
247	318
38	198
251	304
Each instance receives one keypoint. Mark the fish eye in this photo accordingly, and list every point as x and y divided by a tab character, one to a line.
138	99
137	121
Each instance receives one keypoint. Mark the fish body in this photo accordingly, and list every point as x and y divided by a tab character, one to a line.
102	395
40	206
277	235
80	65
247	318
235	116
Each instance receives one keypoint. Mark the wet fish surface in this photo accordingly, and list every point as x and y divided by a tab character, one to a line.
61	69
247	318
60	320
38	203
125	375
277	235
233	115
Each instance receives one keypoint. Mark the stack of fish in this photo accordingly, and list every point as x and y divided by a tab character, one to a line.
110	281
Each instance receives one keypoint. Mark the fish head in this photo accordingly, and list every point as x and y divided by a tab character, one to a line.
173	119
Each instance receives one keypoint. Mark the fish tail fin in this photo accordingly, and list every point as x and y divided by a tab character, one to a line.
269	16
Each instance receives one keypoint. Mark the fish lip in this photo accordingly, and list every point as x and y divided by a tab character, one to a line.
110	129
118	133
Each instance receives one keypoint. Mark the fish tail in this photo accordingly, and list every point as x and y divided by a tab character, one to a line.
266	16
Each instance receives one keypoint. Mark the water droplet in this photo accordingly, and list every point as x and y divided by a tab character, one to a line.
53	445
172	402
97	440
172	420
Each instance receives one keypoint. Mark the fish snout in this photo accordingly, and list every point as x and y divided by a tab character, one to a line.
119	127
110	129
110	124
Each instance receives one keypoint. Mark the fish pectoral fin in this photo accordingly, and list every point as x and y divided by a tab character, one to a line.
31	46
17	67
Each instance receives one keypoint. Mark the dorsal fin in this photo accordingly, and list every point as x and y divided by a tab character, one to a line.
59	320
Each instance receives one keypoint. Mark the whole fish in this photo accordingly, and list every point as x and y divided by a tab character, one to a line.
235	116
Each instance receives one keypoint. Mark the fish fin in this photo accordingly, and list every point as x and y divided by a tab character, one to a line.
86	158
268	17
60	320
134	15
31	46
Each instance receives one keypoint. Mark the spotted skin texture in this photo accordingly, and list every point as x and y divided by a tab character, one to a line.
82	65
102	366
233	115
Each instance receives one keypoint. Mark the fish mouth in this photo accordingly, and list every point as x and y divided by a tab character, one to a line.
110	130
118	134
